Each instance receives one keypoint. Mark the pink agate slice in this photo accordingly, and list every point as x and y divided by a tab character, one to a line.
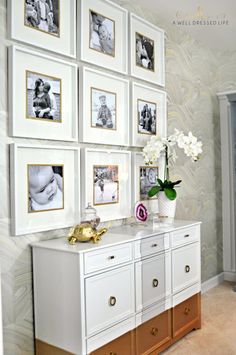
141	213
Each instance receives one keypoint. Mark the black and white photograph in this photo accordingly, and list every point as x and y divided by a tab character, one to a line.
102	33
148	179
43	15
144	52
106	184
147	117
45	187
103	105
43	100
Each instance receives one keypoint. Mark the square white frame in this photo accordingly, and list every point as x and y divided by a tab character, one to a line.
95	157
23	222
119	62
147	29
64	44
21	60
137	162
152	95
90	78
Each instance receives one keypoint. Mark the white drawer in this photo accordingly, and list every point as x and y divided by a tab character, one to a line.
151	245
184	236
185	266
153	280
109	298
107	257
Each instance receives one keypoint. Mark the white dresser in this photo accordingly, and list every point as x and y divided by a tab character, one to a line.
135	292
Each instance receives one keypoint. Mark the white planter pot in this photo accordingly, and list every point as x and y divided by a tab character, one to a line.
166	208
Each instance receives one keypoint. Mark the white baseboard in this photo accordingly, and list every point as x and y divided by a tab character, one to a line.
214	281
230	276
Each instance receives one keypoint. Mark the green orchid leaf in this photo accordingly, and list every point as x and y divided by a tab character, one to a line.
153	191
177	182
170	193
160	182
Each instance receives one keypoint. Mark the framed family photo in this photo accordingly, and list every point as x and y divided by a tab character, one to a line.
107	182
148	113
49	24
44	187
43	96
147	51
104	108
144	178
104	34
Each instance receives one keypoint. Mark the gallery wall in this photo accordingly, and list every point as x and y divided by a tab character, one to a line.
193	76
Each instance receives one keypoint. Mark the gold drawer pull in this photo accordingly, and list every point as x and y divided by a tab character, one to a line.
154	245
187	268
112	301
155	282
111	257
186	310
154	331
111	353
186	236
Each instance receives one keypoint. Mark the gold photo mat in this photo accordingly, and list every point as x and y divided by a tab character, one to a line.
28	188
151	103
27	73
94	184
142	167
138	36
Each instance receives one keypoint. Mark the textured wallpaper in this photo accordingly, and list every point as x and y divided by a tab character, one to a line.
193	76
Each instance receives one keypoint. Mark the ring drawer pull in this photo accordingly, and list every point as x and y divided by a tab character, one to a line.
155	282
112	301
111	257
186	310
186	236
187	268
154	245
154	331
111	353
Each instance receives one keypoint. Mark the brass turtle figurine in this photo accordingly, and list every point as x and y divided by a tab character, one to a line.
85	232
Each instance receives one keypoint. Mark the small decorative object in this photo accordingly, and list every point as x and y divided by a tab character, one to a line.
89	215
148	113
141	213
104	34
165	189
147	51
104	108
50	24
85	232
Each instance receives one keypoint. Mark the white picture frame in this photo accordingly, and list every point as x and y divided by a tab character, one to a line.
110	51
107	207
139	168
103	121
154	99
147	40
62	41
25	68
47	216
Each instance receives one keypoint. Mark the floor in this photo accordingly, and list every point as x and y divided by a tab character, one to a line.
218	333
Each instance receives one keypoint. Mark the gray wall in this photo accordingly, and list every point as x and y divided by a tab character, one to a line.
193	76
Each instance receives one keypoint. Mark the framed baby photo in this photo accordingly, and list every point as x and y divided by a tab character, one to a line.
106	181
147	51
42	96
49	24
144	177
103	34
148	113
104	108
45	190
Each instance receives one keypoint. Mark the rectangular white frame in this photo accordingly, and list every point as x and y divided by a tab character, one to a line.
147	29
149	94
137	162
21	60
119	62
64	44
90	78
23	222
95	157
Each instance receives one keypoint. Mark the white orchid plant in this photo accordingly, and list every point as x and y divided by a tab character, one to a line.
158	146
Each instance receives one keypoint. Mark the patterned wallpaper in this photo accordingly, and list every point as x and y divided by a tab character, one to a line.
193	76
